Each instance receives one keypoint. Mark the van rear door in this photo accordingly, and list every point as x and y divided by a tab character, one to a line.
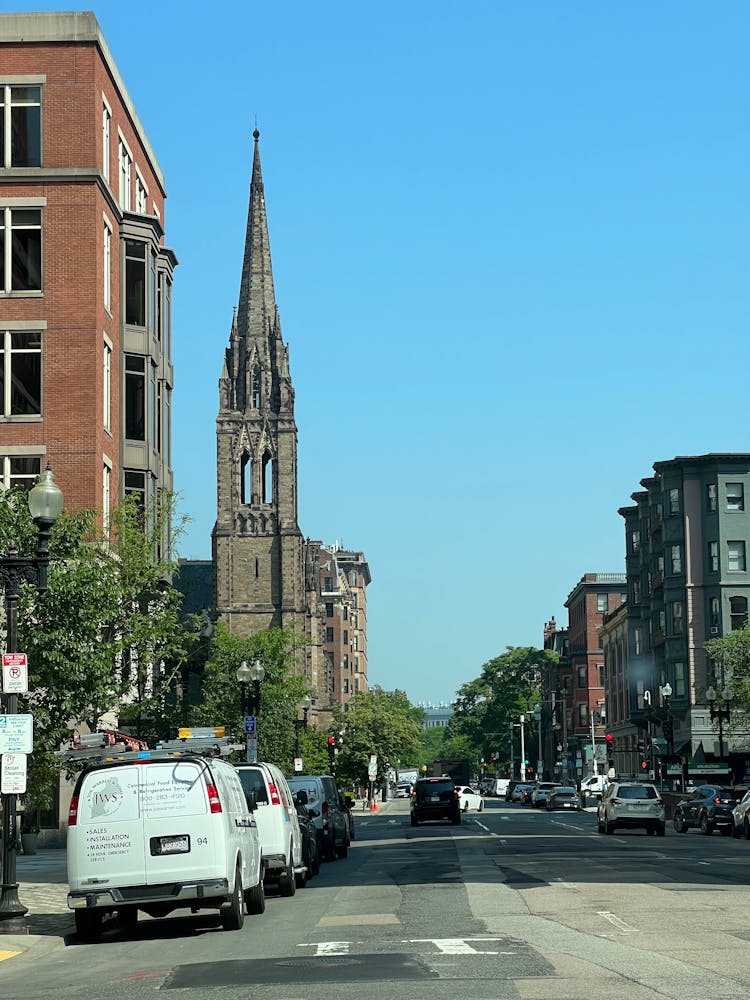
180	841
105	844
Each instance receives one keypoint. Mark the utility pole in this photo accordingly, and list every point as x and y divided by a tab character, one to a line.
522	765
593	743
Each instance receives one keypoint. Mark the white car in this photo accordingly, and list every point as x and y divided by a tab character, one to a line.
741	818
539	795
469	799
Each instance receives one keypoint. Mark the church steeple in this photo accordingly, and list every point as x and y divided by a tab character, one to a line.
257	306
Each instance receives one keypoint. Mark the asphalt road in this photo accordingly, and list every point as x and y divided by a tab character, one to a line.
513	903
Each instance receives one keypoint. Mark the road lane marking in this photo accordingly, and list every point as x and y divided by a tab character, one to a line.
8	954
331	948
565	885
458	946
482	825
617	922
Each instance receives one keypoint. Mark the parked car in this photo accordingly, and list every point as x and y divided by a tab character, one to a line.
469	799
708	807
161	835
540	792
518	792
631	805
403	790
347	804
512	785
325	804
593	787
310	856
278	826
434	798
563	798
741	817
526	792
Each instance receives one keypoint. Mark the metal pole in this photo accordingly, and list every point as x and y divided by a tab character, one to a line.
12	911
522	765
593	744
540	762
510	767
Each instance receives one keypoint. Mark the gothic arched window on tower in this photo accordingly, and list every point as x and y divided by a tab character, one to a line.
267	478
246	478
255	388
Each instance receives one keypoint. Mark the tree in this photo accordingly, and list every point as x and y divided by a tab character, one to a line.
281	690
380	722
731	654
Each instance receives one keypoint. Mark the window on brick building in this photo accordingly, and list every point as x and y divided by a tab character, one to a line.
713	557
329	610
20	249
19	470
152	404
20	126
135	486
328	584
345	663
714	613
107	240
346	636
712	496
141	194
637	641
678	622
20	373
675	554
106	135
356	664
106	495
355	642
679	680
635	541
135	283
125	160
583	714
736	557
135	397
107	385
601	602
582	678
329	634
735	496
674	501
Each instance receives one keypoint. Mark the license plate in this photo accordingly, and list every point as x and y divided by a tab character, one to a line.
172	845
567	805
433	798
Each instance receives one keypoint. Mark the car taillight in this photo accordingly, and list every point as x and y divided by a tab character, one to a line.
615	802
717	800
214	802
324	814
73	811
274	793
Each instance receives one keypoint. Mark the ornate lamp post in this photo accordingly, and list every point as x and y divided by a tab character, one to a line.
250	705
300	724
540	762
721	714
46	504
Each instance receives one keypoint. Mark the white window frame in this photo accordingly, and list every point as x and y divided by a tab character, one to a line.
18	451
107	384
5	333
106	495
106	138
736	553
125	171
141	193
736	500
6	206
107	241
20	81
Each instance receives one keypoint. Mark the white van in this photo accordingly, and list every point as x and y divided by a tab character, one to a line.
159	833
500	787
265	787
592	787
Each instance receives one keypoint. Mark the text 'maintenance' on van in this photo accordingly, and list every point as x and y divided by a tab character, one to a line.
155	834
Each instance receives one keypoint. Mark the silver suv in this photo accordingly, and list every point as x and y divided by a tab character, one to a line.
631	805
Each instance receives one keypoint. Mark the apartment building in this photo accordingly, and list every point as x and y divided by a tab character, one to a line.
687	540
344	577
85	275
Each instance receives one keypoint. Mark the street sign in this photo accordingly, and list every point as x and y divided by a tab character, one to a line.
250	724
297	763
372	767
13	774
15	673
16	733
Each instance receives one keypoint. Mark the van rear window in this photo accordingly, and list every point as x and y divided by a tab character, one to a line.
252	781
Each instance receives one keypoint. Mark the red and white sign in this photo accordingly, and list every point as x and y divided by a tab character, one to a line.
15	673
13	774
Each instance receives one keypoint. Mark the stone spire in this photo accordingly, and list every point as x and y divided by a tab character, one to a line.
257	315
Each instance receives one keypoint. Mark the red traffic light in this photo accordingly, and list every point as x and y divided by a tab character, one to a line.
608	738
331	740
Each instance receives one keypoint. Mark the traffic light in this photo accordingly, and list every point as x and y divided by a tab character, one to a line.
644	764
609	742
332	752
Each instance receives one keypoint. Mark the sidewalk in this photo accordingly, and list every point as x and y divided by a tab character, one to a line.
43	888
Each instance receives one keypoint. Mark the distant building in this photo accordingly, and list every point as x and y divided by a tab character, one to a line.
86	280
687	540
437	715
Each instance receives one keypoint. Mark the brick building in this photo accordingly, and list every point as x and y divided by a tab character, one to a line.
85	276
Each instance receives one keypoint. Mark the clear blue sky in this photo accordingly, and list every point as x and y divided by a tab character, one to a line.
510	245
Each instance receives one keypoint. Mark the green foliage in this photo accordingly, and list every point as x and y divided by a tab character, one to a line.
380	722
280	693
314	751
731	655
507	687
431	743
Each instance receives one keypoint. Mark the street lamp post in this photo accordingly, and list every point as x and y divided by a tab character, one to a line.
523	749
540	762
721	714
250	704
301	724
45	505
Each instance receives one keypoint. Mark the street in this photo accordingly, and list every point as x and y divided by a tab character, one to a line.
512	903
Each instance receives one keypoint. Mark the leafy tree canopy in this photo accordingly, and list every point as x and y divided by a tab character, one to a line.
380	722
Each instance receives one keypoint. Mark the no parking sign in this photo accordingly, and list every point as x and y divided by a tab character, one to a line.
15	673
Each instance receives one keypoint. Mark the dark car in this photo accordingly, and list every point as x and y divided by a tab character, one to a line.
565	797
709	808
526	792
434	798
347	804
310	856
330	820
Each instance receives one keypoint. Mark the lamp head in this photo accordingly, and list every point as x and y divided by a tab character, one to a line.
711	693
666	691
45	499
306	703
726	694
244	673
257	671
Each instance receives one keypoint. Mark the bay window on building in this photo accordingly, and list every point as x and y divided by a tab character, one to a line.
135	283
135	397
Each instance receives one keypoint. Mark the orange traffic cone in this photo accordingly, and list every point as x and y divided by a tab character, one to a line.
373	805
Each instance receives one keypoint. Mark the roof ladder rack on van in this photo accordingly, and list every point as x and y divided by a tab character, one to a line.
106	746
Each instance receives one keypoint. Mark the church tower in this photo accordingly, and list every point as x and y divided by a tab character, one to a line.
258	550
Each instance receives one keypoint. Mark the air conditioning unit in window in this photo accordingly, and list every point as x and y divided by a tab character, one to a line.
714	630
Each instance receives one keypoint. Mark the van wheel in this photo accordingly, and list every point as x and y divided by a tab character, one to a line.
287	882
233	913
88	925
255	899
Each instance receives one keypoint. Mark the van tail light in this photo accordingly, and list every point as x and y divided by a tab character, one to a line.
214	801
274	793
73	811
324	812
615	802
